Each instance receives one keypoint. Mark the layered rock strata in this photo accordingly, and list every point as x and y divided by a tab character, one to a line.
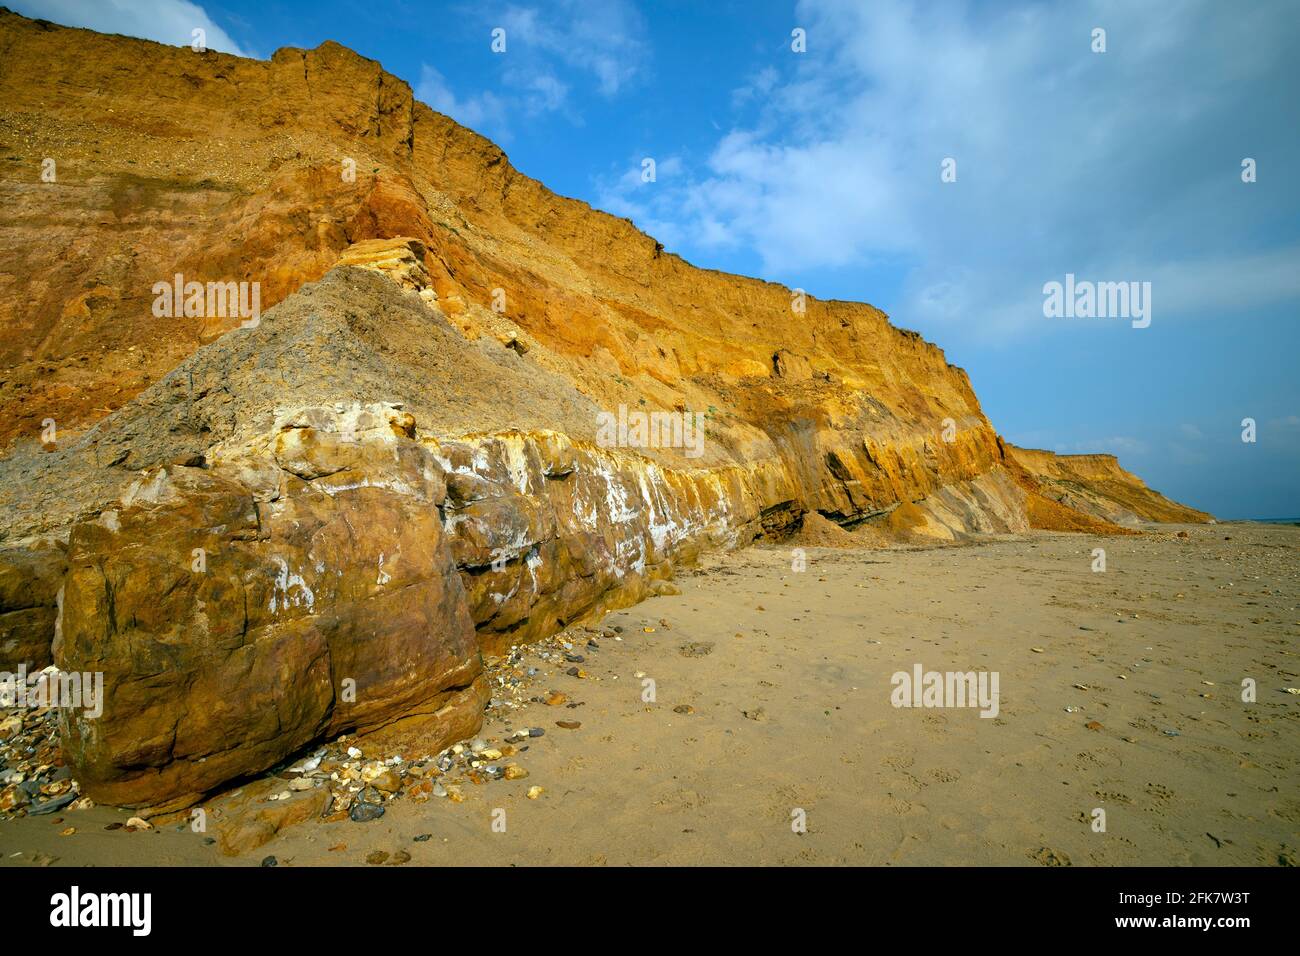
268	529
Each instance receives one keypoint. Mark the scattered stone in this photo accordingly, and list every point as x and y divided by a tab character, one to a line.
423	837
535	791
365	812
1093	725
270	861
398	858
377	857
390	781
683	709
568	724
514	772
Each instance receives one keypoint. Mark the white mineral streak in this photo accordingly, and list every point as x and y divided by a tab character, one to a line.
290	589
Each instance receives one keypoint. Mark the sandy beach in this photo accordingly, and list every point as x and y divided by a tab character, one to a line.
1119	691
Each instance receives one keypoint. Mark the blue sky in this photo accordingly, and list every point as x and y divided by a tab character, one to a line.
821	170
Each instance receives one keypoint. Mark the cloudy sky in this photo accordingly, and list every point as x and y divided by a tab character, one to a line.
822	170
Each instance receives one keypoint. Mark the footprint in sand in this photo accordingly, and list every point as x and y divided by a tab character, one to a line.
1046	856
1114	796
1160	795
899	761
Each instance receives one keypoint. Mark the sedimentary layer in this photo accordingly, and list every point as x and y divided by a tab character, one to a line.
269	528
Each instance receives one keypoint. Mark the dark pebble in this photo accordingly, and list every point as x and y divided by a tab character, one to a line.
365	812
270	861
424	838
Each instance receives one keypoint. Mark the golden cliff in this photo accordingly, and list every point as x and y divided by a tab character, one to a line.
405	462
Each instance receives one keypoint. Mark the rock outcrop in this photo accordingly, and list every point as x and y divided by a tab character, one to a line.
468	414
31	582
1096	485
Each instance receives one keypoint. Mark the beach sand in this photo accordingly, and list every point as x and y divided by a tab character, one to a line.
1119	690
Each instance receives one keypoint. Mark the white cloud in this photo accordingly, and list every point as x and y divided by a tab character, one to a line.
1067	160
477	112
602	38
166	21
549	53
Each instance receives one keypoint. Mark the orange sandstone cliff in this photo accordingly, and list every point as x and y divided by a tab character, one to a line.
399	465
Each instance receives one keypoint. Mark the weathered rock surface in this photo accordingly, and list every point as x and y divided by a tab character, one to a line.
400	464
31	578
242	611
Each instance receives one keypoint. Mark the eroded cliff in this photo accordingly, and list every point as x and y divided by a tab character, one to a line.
401	464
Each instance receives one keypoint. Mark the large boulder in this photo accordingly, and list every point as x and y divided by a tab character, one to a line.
240	612
30	579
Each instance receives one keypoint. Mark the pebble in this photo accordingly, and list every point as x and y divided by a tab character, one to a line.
683	709
270	861
535	791
365	812
568	724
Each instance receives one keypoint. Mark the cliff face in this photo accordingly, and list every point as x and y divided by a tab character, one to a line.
407	457
1096	485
